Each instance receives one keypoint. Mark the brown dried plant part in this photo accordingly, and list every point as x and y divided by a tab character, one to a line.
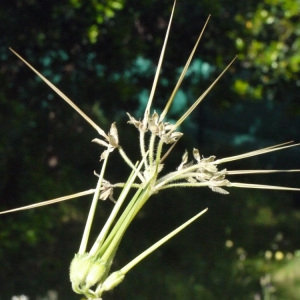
90	270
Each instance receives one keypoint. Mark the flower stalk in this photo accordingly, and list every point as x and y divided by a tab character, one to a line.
90	270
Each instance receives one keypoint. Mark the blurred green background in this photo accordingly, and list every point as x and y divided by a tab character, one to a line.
103	54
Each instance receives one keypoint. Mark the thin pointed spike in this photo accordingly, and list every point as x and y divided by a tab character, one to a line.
196	103
157	73
261	186
48	202
168	152
241	172
159	243
62	95
254	153
182	75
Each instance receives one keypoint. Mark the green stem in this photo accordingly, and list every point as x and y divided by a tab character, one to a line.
120	227
129	163
158	157
144	254
120	201
142	148
176	175
118	234
88	225
151	152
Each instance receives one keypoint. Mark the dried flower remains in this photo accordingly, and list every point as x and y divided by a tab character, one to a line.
90	269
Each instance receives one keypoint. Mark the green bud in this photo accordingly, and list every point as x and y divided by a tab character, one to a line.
95	273
79	269
113	280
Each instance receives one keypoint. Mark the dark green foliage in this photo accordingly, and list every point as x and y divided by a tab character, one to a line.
102	54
